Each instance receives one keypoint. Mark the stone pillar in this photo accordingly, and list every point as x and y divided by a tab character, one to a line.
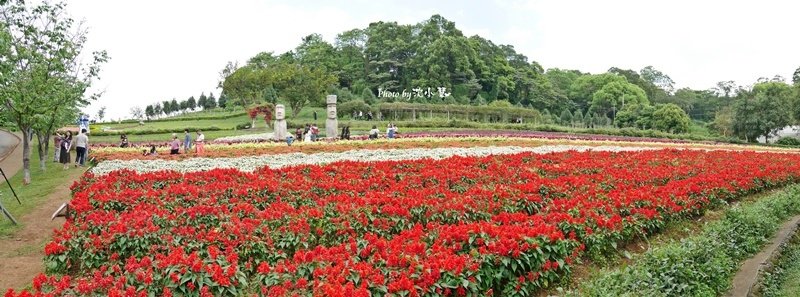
332	123
280	122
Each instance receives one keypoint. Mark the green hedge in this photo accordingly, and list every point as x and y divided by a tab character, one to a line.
701	265
421	110
182	118
157	131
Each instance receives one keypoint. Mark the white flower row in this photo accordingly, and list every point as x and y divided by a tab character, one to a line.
246	138
251	163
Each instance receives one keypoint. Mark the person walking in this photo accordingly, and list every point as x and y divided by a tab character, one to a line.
200	142
174	145
187	141
57	145
66	143
81	148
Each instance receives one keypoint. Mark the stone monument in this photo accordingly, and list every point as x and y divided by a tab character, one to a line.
331	124
280	122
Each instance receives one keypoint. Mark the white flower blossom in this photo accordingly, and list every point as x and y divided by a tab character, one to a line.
251	163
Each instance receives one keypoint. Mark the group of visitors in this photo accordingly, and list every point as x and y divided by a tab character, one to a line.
391	132
359	115
176	144
307	134
64	143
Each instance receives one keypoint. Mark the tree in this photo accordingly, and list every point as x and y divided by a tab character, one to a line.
300	85
724	121
796	77
223	100
201	102
636	116
763	110
157	110
211	102
149	111
42	80
368	96
270	95
577	118
174	106
566	117
613	96
726	88
658	79
138	114
191	103
166	107
671	118
582	90
101	113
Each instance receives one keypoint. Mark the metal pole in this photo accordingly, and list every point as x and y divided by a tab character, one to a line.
8	214
9	186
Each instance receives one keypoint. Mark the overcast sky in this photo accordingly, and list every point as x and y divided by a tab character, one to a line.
175	49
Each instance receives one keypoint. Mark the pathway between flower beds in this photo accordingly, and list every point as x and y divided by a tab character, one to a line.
251	163
748	274
22	252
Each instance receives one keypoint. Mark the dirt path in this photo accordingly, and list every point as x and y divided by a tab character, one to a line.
748	272
21	255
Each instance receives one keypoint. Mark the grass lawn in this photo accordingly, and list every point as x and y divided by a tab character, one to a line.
42	184
165	137
220	123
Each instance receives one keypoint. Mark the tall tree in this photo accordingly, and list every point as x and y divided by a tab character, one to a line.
583	88
301	85
613	96
174	106
211	102
191	103
796	77
763	110
658	79
101	113
42	80
201	102
223	100
166	107
150	112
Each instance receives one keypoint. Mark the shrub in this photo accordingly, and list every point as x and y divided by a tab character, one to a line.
701	265
790	141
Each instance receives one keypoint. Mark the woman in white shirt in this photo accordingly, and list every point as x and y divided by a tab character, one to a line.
200	142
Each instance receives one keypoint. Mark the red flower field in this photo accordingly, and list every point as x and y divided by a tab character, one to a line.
499	225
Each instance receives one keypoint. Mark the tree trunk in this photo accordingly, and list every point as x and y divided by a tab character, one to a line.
26	155
42	150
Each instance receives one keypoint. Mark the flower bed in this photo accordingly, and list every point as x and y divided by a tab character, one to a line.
251	163
257	149
543	135
495	225
263	137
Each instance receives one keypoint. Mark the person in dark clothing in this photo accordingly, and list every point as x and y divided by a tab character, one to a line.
315	115
298	134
